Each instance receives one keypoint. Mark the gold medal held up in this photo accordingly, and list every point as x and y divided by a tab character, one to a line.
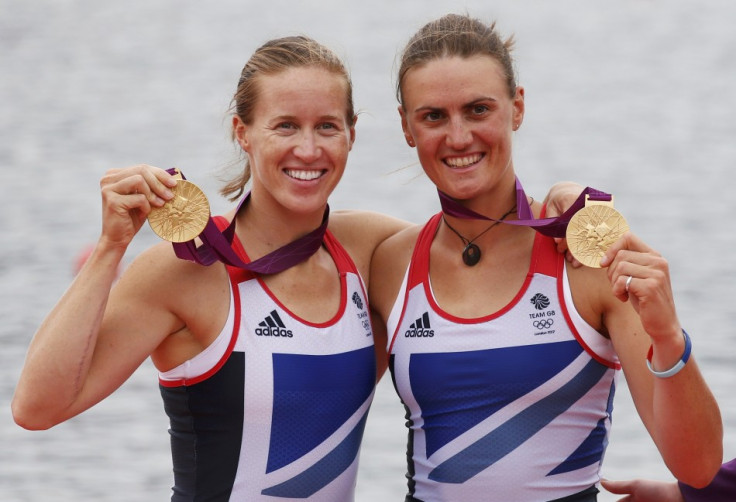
184	217
593	230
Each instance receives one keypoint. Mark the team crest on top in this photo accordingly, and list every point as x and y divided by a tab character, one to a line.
543	319
539	301
357	301
362	315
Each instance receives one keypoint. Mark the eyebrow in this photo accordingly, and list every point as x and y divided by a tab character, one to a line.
294	117
465	105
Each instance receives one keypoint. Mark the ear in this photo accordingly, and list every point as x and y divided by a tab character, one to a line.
518	113
405	127
352	132
240	131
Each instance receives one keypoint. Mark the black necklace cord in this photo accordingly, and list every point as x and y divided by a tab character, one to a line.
471	252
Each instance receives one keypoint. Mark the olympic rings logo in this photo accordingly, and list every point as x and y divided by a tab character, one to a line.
544	323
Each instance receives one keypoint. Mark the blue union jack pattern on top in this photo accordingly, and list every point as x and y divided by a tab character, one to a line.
512	406
275	408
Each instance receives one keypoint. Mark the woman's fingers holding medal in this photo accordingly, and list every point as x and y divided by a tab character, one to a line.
143	182
638	273
129	194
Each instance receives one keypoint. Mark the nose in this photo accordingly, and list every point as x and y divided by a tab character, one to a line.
307	148
459	134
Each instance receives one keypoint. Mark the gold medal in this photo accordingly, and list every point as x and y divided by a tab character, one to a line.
184	217
593	230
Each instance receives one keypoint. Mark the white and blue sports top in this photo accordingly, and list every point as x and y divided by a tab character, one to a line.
515	405
274	409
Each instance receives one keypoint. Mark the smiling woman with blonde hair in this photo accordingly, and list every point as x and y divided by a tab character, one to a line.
267	372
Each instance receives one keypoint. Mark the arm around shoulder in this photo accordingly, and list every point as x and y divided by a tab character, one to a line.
362	231
388	268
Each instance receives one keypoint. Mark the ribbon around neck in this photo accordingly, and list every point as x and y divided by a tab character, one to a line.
217	246
551	227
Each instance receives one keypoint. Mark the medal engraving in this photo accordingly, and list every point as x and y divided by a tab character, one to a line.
184	217
593	230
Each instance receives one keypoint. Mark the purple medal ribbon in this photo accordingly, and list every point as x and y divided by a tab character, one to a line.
217	246
551	227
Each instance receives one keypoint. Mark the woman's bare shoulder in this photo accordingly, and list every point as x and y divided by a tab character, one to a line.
159	274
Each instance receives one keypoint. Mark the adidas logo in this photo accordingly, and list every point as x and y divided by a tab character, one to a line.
420	328
272	325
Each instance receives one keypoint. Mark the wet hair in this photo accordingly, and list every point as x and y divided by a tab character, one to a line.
456	35
271	58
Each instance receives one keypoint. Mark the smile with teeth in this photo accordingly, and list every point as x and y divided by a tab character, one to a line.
304	174
465	161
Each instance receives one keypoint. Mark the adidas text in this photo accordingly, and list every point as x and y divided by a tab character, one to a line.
274	331
419	333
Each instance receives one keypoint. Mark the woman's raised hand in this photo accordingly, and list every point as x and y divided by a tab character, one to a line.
128	195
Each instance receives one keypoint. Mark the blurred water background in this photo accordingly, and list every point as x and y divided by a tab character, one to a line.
635	97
